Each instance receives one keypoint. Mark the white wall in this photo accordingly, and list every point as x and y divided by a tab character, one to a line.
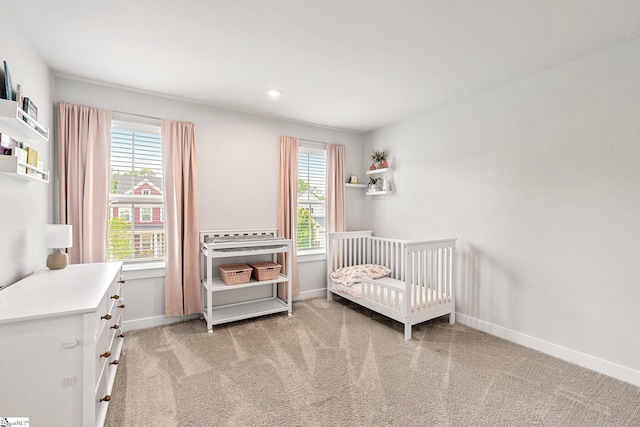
540	182
25	207
237	172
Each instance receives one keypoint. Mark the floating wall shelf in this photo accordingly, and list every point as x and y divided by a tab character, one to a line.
19	125
11	166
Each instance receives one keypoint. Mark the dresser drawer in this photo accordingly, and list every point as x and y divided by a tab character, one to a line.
109	309
102	397
105	348
102	352
105	384
114	294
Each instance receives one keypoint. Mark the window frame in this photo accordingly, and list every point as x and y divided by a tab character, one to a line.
313	254
122	210
145	209
124	123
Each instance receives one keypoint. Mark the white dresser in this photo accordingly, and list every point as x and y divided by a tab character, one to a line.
60	341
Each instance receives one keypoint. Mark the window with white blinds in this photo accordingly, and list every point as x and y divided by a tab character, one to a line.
312	173
136	222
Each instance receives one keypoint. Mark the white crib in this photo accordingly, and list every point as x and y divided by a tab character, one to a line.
422	270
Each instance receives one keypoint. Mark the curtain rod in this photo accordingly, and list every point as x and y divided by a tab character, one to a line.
311	140
139	115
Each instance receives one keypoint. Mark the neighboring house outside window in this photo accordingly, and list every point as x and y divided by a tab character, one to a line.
312	172
136	226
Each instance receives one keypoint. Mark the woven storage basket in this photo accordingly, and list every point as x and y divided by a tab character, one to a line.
235	274
265	270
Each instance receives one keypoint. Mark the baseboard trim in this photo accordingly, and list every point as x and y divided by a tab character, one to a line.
315	293
602	366
150	322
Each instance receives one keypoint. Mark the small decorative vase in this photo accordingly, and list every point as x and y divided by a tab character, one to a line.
384	164
372	167
57	260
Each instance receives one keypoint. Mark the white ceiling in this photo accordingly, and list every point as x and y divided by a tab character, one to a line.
349	64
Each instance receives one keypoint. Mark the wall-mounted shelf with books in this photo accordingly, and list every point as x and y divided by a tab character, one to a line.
11	166
19	125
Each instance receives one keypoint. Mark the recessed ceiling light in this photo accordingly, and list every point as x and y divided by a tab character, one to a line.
274	93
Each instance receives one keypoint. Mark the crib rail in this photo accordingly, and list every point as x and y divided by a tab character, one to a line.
390	253
429	272
425	268
347	248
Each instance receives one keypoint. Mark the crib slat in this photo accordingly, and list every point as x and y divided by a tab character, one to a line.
443	273
449	269
413	280
402	260
435	283
421	280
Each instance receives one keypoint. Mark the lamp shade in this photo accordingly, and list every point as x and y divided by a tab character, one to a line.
58	236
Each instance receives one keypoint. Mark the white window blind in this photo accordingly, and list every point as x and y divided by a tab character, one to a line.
136	225
312	172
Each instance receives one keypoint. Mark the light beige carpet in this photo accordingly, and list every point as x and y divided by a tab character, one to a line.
337	364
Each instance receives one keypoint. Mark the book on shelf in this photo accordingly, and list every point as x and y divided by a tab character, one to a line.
34	173
20	153
8	92
19	96
32	156
30	108
7	144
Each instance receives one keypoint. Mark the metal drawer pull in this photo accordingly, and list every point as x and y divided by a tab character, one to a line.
106	317
106	398
115	362
106	354
121	306
116	296
121	335
121	281
116	326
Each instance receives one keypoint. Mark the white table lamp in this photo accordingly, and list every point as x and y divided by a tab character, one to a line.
58	237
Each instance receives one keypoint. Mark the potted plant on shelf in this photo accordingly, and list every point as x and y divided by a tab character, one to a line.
373	183
378	157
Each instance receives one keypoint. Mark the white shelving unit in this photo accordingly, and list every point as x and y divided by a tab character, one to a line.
11	166
384	171
356	185
232	244
19	125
